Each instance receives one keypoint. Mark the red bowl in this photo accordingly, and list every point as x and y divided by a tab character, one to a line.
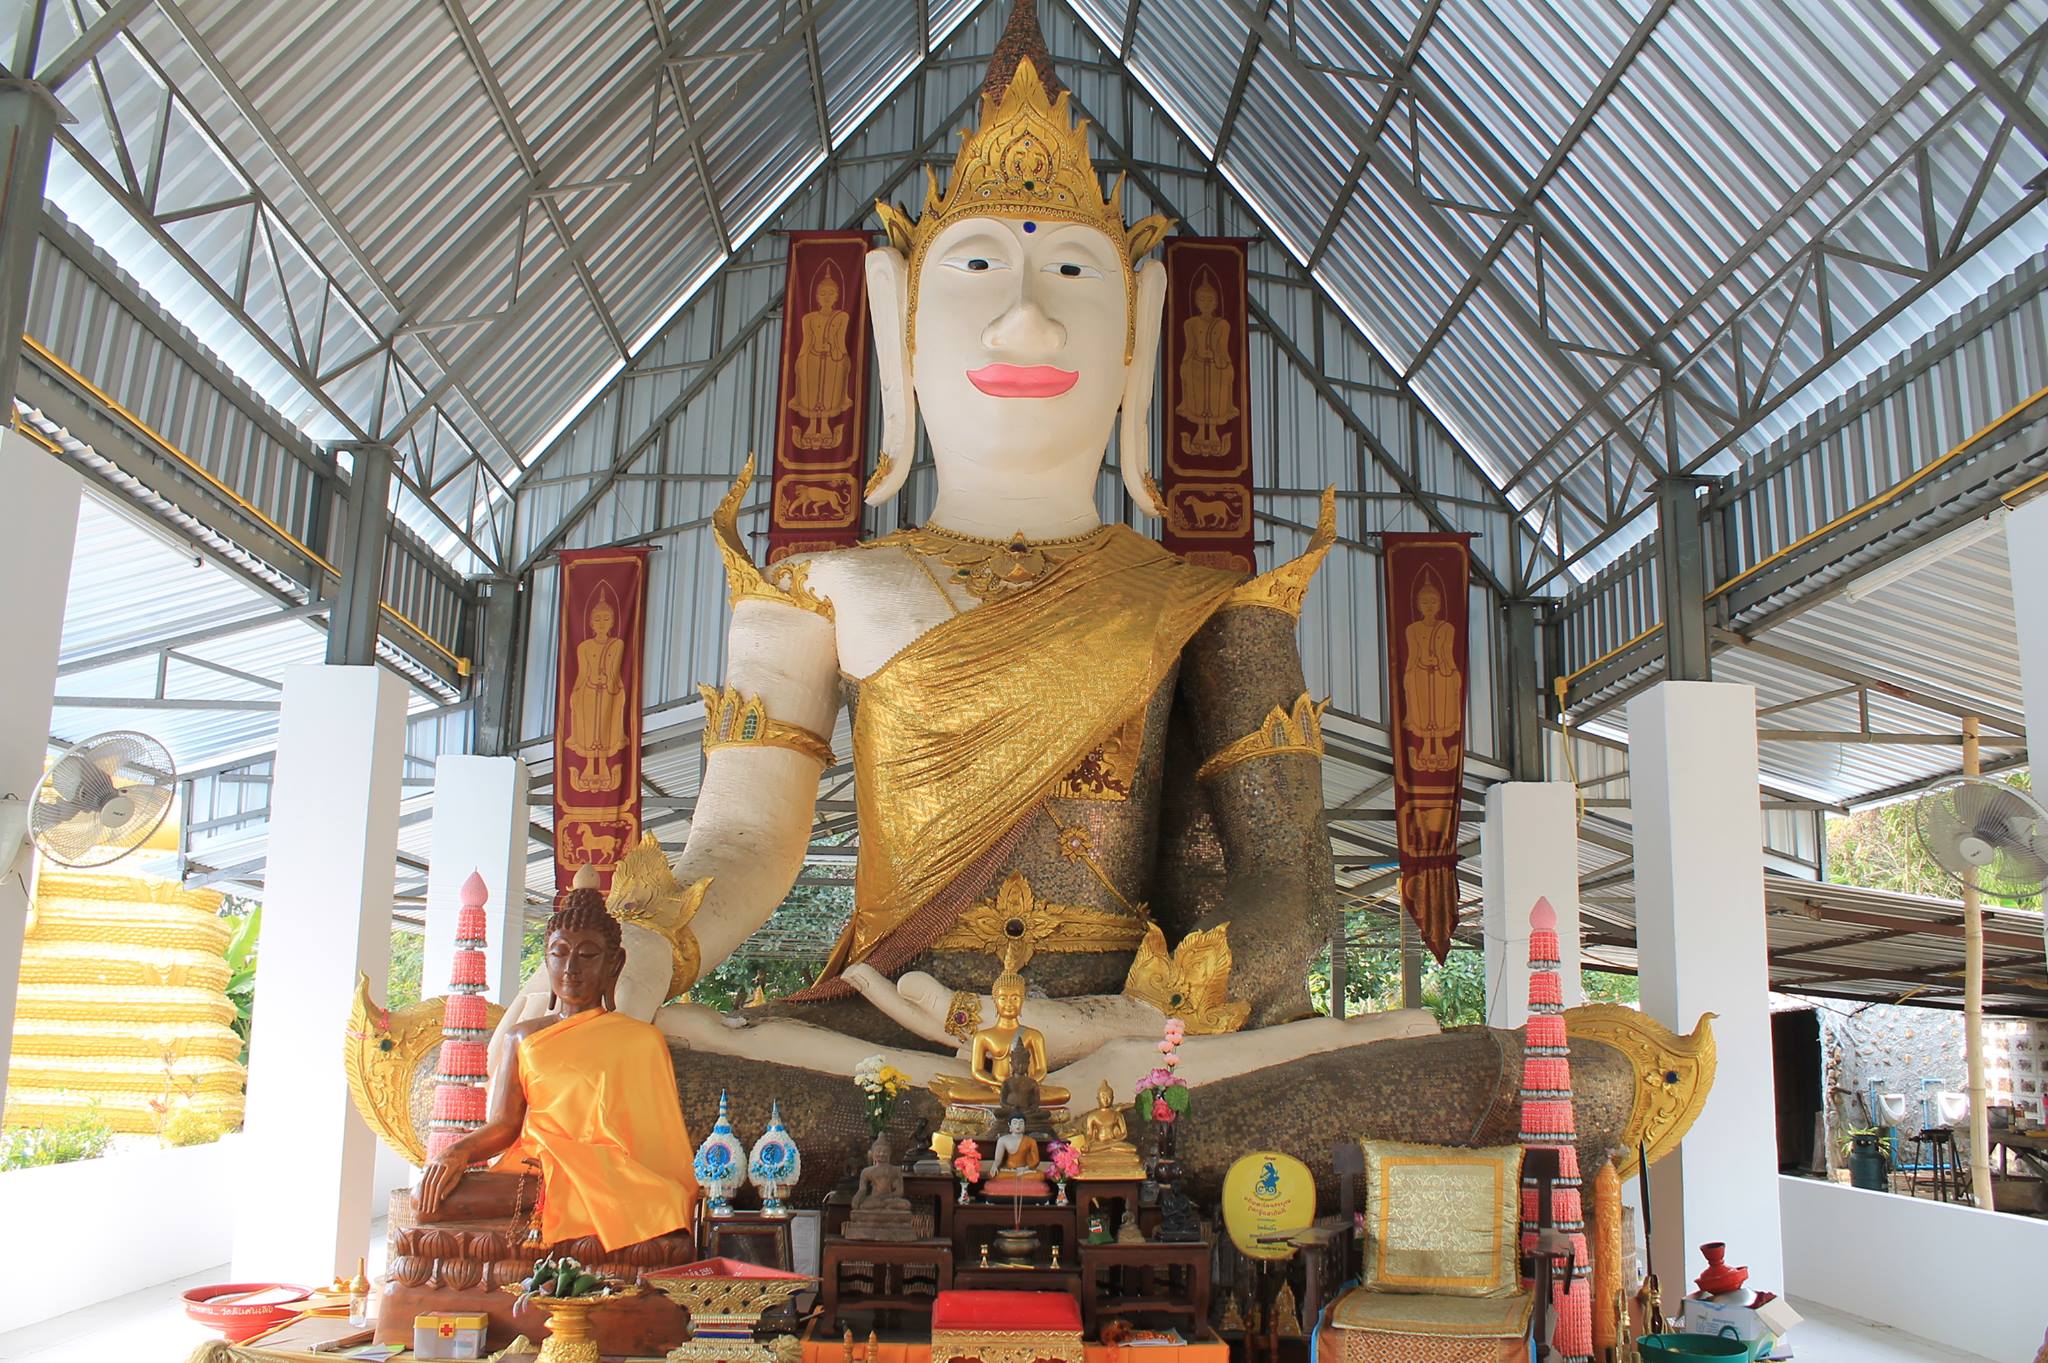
237	1321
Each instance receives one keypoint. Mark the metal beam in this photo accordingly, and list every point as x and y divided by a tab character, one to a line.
1524	692
352	627
1682	580
28	118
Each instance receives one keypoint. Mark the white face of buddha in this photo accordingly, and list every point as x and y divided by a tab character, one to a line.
1020	328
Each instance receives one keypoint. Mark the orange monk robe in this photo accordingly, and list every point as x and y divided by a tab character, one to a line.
603	1119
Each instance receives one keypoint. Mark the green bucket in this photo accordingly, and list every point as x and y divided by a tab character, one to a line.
1679	1348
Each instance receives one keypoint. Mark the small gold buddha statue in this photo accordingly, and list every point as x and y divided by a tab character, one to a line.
1105	1144
990	1058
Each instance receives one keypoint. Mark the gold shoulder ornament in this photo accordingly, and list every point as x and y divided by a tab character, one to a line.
782	583
1285	588
735	721
1191	983
1673	1074
1299	730
382	1058
645	892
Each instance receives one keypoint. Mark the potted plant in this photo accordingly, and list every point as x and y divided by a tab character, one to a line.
1869	1153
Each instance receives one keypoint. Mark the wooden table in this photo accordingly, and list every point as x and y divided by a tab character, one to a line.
1135	1273
2031	1147
889	1286
1124	1190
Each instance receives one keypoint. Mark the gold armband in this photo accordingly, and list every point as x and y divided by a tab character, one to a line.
782	583
1282	731
731	720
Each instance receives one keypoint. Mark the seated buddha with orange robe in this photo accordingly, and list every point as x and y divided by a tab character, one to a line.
591	1098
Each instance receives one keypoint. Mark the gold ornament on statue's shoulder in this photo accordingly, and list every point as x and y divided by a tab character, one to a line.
645	892
783	583
1285	588
1191	983
1027	159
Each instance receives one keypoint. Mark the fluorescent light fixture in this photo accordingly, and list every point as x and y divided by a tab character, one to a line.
1911	562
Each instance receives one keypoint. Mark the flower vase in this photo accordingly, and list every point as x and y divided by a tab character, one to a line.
776	1164
1061	1201
721	1163
964	1187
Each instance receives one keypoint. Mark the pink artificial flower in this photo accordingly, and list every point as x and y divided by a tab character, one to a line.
1176	1031
1158	1079
1160	1111
1166	1047
1172	1061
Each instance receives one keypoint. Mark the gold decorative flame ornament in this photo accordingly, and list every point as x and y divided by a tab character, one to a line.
1673	1074
382	1058
646	893
1192	982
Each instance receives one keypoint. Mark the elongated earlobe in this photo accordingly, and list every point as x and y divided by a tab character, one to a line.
888	298
1134	426
553	1003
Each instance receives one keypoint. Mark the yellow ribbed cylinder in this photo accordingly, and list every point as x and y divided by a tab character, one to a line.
123	1009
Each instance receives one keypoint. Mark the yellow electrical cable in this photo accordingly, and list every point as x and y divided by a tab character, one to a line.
460	663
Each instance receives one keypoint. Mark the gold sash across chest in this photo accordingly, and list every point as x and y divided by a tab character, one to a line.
964	733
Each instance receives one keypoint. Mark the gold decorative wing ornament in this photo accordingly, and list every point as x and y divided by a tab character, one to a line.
1285	588
645	892
1673	1074
382	1057
783	583
1192	982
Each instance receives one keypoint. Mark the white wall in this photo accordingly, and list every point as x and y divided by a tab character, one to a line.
1971	1280
76	1234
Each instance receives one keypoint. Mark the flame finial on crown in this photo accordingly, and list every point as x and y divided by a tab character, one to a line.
1027	159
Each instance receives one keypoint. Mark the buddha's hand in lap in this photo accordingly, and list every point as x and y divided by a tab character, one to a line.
437	1180
1073	1027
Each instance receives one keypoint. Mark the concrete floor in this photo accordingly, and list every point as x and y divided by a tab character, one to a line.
150	1327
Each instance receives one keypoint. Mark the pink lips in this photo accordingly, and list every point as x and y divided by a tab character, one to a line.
1022	381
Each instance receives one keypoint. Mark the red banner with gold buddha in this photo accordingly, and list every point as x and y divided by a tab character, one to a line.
1428	650
821	426
602	645
1207	429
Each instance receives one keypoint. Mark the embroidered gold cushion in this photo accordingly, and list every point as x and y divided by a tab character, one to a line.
1443	1219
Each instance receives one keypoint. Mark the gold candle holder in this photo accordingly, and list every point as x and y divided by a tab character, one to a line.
569	1332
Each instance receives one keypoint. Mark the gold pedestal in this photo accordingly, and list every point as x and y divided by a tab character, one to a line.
569	1334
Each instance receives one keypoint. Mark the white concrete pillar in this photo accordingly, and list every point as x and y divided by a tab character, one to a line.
35	563
1528	850
2026	548
480	823
1700	945
305	1209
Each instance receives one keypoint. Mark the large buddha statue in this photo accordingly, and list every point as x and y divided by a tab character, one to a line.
1065	738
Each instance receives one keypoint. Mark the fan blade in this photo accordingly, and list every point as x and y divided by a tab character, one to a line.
149	806
2021	866
1974	800
69	775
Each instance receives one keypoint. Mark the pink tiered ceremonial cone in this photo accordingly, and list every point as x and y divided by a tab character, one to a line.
461	1072
1548	1124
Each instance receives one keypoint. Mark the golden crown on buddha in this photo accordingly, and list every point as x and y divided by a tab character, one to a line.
1027	159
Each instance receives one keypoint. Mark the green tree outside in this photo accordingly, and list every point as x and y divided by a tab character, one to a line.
1878	848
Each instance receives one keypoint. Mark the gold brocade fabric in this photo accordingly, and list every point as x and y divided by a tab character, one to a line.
969	729
1411	1313
1443	1219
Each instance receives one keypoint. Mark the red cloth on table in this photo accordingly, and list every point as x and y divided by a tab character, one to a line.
1039	1311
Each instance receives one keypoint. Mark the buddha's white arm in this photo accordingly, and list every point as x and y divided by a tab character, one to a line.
754	809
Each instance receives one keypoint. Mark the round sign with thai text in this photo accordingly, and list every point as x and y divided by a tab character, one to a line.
1268	1197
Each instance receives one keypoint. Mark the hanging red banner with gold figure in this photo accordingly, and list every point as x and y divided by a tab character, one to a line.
1208	484
597	709
1428	648
821	426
